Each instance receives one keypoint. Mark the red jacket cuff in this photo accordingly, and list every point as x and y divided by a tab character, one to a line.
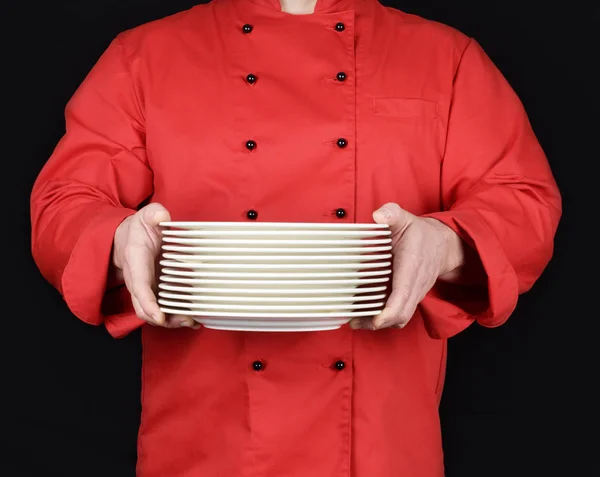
449	309
85	277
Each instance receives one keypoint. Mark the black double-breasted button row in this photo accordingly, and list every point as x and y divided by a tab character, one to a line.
253	214
247	28
341	143
340	27
251	146
258	365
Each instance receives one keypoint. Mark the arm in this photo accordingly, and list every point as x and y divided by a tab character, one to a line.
97	176
498	195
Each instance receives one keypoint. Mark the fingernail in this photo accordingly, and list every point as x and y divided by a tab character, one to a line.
151	320
181	322
379	323
158	321
355	325
385	212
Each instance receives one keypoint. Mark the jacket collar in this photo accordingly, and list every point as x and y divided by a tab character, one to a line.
322	6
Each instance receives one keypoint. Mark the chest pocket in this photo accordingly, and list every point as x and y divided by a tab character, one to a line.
407	128
402	151
405	108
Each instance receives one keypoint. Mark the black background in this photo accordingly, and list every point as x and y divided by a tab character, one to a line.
519	399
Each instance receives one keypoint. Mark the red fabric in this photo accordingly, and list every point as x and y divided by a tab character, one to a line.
430	123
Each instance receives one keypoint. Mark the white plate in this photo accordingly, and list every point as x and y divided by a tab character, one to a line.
279	275
259	326
187	258
275	266
243	307
280	225
254	242
273	250
210	290
272	234
273	283
275	316
269	299
271	329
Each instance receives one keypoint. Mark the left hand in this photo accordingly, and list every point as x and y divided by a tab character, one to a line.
424	249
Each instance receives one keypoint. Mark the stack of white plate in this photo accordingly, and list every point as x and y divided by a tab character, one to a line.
266	276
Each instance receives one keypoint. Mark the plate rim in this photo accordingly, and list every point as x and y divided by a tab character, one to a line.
302	225
283	241
272	291
299	251
274	266
173	272
242	307
323	316
271	257
276	233
313	299
200	281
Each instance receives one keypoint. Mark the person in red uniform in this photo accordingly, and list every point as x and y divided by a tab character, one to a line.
296	111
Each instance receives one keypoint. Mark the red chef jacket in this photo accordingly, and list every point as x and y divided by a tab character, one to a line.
428	122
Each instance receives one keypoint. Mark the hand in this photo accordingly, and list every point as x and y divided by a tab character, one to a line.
424	249
136	248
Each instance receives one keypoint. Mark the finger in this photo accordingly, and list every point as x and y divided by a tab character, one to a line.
400	312
181	321
397	309
139	277
394	216
362	323
151	217
389	318
139	311
144	297
153	214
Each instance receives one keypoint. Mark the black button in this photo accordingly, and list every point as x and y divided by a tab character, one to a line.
247	28
339	26
258	366
341	142
252	214
340	213
251	78
339	365
341	76
250	145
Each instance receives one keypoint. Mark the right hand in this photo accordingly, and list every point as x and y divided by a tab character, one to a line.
136	249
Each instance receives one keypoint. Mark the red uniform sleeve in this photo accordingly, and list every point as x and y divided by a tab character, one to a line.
498	194
97	176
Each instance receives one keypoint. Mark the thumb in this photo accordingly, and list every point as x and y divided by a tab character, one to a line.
394	216
153	214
